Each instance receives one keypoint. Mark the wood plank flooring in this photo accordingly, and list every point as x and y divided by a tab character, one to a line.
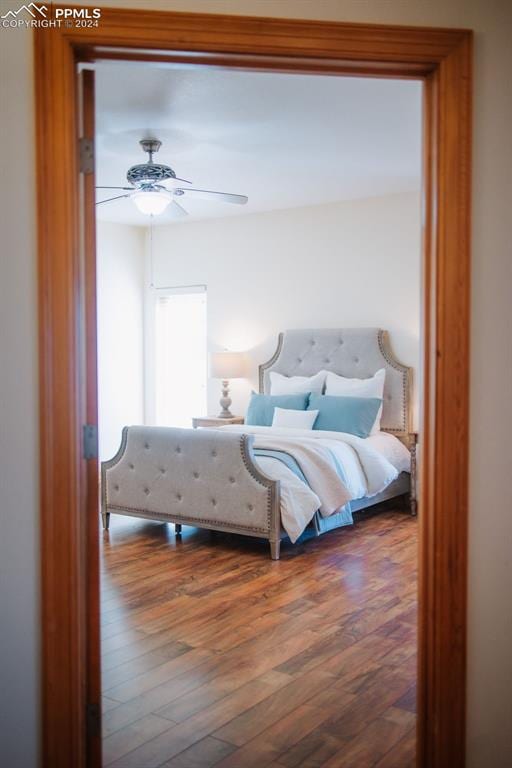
213	655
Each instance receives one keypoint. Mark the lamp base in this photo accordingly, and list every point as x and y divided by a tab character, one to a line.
225	402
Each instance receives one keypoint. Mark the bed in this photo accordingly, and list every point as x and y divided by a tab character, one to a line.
273	482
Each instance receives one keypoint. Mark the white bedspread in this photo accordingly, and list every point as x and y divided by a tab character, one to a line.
367	466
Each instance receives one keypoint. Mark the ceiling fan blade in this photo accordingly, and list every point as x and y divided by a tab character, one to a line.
176	178
179	209
128	189
109	199
207	194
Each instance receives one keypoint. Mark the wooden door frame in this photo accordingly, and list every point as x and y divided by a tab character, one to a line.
442	58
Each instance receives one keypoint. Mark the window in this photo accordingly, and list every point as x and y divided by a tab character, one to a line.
180	355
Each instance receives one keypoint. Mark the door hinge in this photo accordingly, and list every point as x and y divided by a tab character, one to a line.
93	720
86	154
90	441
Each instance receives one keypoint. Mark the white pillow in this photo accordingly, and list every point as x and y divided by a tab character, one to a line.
287	417
296	385
372	387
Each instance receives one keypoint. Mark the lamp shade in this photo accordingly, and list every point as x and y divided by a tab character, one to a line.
151	202
227	365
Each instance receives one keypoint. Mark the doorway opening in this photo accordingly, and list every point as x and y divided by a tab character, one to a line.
210	650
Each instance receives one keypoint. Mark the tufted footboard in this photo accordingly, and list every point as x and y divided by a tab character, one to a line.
205	478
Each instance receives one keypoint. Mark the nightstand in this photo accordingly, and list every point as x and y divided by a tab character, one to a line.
215	421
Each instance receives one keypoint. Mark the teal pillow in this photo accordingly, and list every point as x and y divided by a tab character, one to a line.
355	415
261	407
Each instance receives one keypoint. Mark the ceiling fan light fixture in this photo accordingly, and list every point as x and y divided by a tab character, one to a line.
151	202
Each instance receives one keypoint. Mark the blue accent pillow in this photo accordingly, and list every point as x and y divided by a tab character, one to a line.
355	415
261	407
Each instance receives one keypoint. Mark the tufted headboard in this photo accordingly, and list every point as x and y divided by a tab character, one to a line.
351	352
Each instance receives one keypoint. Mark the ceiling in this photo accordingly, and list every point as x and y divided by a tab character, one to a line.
284	140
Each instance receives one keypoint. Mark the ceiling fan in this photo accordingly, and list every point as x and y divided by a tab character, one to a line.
154	186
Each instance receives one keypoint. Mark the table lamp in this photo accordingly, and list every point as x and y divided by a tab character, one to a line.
226	366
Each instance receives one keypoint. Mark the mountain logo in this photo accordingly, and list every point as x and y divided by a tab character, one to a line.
31	8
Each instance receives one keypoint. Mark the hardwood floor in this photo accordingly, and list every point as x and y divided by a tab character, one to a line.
213	655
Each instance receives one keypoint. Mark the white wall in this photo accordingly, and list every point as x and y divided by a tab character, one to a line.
120	281
355	263
19	434
490	523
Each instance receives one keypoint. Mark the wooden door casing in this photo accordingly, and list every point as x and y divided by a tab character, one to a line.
443	59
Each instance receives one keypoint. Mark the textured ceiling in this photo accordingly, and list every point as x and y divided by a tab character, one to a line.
284	140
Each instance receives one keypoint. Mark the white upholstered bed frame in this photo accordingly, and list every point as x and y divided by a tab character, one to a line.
209	478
